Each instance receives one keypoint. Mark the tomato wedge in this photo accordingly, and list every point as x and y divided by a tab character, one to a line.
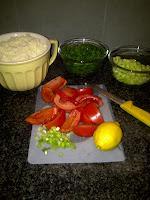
85	130
57	121
85	90
88	98
65	105
47	94
42	116
48	89
67	93
72	121
92	114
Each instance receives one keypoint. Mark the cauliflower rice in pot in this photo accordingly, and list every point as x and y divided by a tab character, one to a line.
21	48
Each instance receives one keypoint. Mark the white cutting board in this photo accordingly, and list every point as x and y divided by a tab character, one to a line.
85	151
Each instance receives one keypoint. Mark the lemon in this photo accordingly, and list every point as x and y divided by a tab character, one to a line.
108	135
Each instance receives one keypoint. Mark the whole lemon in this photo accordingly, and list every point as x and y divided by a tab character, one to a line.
108	135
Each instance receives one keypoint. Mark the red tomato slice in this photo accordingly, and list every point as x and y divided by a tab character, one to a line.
67	93
85	90
65	105
42	116
57	121
85	130
89	98
72	121
47	94
48	89
91	114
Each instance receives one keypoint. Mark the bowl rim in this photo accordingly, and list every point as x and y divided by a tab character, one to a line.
129	47
84	39
37	35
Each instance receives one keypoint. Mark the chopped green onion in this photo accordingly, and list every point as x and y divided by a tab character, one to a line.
47	139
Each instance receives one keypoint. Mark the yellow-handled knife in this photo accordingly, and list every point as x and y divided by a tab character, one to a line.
128	106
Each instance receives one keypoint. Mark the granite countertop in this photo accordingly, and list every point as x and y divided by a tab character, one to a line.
115	181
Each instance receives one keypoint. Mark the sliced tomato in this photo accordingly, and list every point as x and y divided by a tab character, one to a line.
89	98
42	116
56	83
85	130
58	121
67	93
92	114
71	121
48	89
65	105
47	94
85	90
80	109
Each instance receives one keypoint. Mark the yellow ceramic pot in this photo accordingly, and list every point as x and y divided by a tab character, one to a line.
28	74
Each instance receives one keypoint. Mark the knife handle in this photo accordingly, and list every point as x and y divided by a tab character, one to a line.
136	112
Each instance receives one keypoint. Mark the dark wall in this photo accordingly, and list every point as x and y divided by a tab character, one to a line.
115	22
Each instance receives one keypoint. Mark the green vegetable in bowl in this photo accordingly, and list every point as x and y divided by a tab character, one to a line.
47	139
130	64
131	78
130	71
81	69
82	52
82	59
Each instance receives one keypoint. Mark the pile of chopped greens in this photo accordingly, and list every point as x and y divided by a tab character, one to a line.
52	139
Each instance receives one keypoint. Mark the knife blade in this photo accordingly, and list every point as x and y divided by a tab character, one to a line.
127	106
109	95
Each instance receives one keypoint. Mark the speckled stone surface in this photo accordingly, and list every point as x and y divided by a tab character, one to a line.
114	181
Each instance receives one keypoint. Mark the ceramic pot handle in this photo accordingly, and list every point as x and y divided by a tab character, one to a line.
54	44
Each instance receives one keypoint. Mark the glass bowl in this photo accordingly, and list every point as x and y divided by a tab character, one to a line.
131	64
83	57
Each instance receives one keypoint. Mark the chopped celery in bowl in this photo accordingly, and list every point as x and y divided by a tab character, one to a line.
131	65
